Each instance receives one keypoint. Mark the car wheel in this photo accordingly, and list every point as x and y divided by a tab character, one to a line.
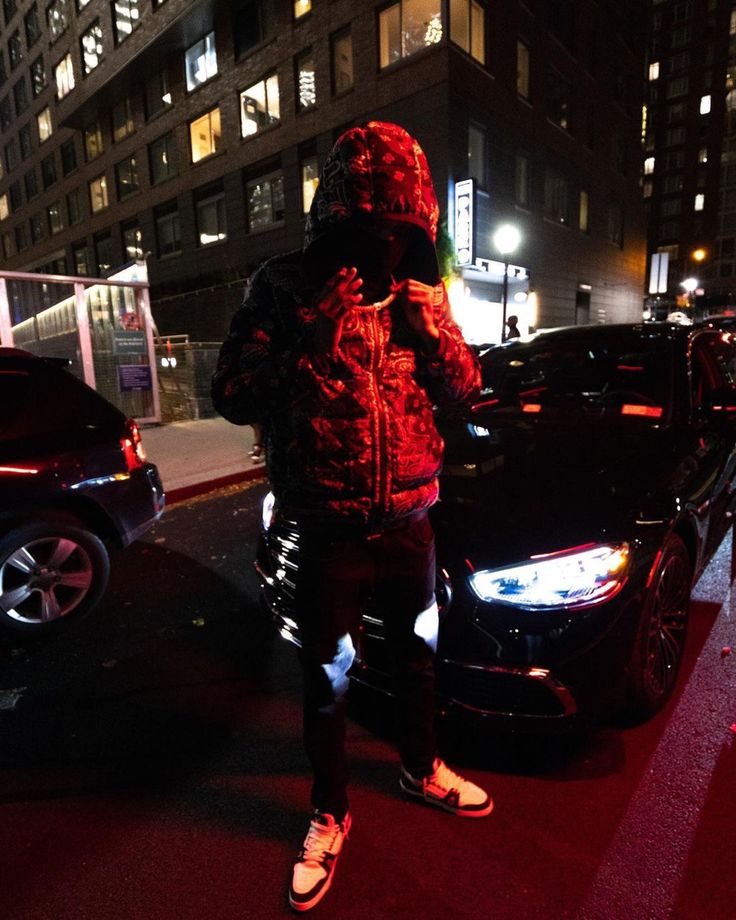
51	572
660	640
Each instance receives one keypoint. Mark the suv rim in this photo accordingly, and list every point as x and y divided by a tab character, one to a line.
44	580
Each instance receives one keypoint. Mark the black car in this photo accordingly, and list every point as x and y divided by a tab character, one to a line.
582	495
74	484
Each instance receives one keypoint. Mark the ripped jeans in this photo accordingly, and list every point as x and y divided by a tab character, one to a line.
339	567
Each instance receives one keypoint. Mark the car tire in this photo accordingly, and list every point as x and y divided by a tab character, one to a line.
52	572
662	630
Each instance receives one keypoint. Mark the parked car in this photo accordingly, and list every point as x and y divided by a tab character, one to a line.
74	484
582	495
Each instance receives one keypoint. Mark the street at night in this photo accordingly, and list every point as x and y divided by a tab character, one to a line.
152	768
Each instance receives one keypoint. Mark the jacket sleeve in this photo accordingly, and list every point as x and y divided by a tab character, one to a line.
452	374
247	377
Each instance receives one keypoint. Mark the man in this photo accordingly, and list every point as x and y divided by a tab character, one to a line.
513	323
340	351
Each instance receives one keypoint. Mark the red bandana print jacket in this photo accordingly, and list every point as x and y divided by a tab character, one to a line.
350	435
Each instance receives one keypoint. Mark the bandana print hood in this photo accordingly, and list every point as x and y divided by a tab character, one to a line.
375	172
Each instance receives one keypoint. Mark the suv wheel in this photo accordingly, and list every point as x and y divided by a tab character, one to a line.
50	572
660	641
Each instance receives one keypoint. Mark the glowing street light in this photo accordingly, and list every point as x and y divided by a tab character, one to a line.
690	285
506	240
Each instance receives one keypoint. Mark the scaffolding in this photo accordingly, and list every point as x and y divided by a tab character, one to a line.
102	326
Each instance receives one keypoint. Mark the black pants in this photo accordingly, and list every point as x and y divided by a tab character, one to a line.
339	567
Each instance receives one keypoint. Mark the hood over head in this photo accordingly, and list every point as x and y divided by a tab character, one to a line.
375	173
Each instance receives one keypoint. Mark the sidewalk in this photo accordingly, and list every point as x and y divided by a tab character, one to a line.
197	456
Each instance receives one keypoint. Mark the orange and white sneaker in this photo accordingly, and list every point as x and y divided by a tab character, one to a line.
448	790
315	865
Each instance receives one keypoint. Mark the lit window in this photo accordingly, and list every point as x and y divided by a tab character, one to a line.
265	202
522	70
91	42
132	241
259	106
64	76
301	8
583	211
98	194
342	62
705	105
703	155
654	70
93	146
407	27
306	91
45	127
310	181
699	202
4	209
127	16
201	61
204	135
648	166
211	222
38	76
468	27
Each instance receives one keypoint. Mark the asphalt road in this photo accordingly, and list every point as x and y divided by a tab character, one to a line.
151	768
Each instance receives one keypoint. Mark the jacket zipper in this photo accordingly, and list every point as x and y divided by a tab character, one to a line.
380	489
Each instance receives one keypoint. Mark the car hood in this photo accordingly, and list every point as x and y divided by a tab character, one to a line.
513	489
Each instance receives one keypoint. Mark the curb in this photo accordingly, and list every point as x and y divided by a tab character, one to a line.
201	488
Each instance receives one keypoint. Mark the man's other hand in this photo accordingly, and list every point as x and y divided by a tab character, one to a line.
334	302
417	300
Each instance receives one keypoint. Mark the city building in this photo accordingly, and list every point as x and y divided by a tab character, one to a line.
689	135
191	134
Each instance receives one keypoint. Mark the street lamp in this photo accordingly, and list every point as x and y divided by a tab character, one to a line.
506	240
690	285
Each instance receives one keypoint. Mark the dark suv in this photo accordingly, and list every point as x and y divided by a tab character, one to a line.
74	484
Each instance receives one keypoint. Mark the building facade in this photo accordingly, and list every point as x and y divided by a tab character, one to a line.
689	132
191	134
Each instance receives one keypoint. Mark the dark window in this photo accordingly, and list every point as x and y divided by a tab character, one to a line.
247	27
33	28
75	205
80	257
11	155
6	114
31	183
93	145
559	99
3	72
20	96
68	156
48	171
158	95
122	120
163	158
15	50
58	15
25	141
103	251
616	225
38	225
556	203
209	205
523	183
342	61
126	174
21	237
265	202
560	21
168	229
38	76
9	8
16	197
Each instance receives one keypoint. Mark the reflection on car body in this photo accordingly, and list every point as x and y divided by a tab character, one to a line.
582	495
74	482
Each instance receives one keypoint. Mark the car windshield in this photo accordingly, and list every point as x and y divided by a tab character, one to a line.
628	374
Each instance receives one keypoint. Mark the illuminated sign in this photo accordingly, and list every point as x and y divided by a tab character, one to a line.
464	198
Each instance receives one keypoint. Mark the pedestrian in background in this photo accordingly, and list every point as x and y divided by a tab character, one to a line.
342	349
512	323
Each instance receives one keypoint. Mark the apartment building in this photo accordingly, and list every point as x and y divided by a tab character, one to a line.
191	134
689	133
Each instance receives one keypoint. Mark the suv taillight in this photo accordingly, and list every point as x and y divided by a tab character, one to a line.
133	451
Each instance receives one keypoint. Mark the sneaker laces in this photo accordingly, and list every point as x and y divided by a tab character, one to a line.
447	778
319	841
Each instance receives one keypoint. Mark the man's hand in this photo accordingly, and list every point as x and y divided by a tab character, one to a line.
417	300
334	302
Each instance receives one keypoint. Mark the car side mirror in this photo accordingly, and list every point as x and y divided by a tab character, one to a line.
721	402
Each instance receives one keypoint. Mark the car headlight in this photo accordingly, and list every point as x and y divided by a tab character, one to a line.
572	578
